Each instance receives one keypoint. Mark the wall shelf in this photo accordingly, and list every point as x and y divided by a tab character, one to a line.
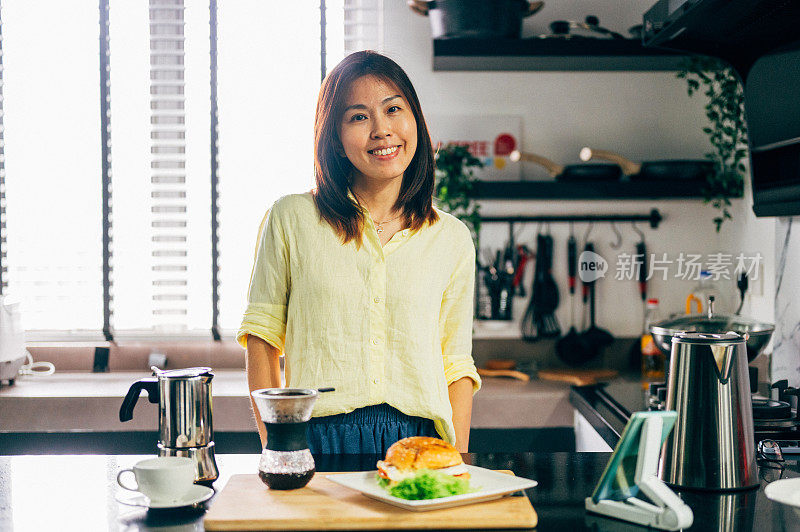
575	54
595	190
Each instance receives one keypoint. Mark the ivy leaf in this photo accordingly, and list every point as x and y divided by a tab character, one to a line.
727	129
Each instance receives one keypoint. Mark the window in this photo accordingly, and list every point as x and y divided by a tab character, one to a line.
195	90
51	90
268	83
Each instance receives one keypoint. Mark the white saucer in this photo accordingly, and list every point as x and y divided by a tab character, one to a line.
195	495
786	491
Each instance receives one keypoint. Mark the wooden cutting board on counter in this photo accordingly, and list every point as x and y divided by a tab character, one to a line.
578	377
245	503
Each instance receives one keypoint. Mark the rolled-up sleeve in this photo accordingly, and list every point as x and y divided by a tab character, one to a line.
455	318
268	295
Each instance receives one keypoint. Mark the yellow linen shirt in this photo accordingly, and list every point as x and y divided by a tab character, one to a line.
389	324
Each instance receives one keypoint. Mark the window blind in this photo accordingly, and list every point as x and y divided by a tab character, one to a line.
363	25
160	72
168	208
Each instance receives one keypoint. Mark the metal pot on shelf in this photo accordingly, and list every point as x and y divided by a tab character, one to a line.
475	18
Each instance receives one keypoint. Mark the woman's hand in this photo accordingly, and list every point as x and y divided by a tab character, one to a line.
263	371
460	393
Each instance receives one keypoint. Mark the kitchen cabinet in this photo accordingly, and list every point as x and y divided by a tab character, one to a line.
554	54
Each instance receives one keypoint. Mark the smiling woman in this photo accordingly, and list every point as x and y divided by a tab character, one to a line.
362	283
378	131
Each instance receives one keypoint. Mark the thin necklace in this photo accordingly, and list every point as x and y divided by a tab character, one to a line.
379	224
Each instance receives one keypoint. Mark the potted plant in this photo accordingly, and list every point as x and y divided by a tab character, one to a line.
727	130
455	185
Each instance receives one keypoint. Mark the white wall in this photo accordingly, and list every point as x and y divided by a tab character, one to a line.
643	115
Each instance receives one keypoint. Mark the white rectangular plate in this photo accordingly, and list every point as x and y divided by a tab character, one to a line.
490	484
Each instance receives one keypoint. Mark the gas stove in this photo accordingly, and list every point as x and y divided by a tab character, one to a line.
776	419
773	419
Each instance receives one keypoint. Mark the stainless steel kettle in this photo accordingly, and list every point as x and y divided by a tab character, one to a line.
712	446
184	404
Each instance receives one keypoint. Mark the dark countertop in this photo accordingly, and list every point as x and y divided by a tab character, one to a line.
77	493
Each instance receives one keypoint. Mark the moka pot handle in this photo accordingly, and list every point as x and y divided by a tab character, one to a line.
148	384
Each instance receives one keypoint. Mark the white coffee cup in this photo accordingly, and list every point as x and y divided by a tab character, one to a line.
162	479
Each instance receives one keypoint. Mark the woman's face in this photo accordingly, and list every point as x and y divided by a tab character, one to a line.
378	130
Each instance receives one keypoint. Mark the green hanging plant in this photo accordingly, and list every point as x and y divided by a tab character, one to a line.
456	185
727	130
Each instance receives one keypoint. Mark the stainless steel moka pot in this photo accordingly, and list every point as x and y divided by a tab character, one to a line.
712	446
184	405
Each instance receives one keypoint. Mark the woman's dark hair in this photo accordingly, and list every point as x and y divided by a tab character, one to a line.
332	171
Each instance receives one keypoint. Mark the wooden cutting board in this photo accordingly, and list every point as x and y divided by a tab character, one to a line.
578	377
245	503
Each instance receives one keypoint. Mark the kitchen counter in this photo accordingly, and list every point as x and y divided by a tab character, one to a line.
78	412
77	493
92	401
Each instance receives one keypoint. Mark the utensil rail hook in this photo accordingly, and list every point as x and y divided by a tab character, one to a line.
638	231
618	243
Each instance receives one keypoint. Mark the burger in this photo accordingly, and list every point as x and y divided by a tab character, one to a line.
420	467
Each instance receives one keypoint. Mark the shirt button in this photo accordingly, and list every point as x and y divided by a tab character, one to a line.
376	299
375	341
375	381
405	232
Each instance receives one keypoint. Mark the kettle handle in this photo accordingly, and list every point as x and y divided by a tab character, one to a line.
150	385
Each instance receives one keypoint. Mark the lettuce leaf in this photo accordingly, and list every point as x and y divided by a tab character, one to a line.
427	484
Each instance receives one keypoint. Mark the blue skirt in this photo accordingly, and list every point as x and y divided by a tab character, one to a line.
368	430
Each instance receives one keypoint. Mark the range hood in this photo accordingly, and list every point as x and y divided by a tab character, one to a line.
739	31
761	40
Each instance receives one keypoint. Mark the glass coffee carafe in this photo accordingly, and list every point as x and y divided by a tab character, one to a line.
286	462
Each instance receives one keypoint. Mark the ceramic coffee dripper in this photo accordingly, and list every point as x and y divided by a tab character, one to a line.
286	461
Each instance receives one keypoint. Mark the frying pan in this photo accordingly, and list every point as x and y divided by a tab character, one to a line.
572	172
690	169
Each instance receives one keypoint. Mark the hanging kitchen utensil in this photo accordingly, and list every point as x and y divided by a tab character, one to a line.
678	170
475	18
571	348
539	320
524	255
529	319
572	172
597	338
548	322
